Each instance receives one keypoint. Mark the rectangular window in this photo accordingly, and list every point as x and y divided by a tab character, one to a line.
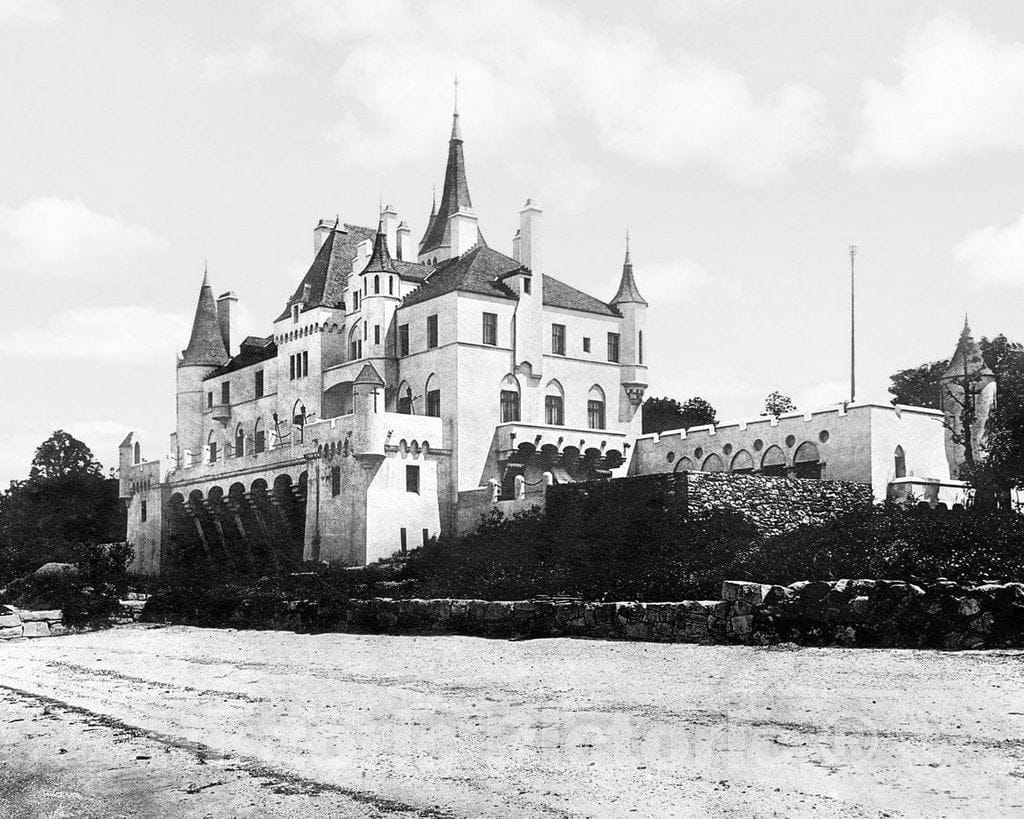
259	384
412	479
509	406
355	300
431	331
404	540
595	414
403	339
554	410
355	351
526	286
491	329
142	512
225	392
305	362
213	452
558	339
260	440
295	313
434	403
586	344
640	346
376	334
335	481
613	346
209	400
291	368
426	536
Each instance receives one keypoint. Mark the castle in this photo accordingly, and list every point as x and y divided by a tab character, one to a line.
404	390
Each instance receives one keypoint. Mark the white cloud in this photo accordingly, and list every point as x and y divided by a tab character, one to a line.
994	255
960	91
123	335
557	78
28	12
671	284
60	238
823	395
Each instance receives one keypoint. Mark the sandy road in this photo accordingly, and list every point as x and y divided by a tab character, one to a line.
384	726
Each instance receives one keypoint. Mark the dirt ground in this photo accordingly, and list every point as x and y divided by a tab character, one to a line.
183	722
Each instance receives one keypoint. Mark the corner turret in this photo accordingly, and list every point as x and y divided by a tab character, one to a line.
632	306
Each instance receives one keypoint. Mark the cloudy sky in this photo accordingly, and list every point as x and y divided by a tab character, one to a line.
744	144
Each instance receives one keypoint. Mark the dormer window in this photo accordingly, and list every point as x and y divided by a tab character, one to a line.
295	313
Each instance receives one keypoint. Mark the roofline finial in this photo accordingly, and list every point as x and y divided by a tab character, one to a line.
456	132
455	108
627	246
206	273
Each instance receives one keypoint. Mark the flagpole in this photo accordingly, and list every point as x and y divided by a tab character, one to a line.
853	346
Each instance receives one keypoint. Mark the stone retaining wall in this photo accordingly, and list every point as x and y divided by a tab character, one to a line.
774	505
881	613
16	623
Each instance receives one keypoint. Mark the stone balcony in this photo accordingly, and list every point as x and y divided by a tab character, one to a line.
516	436
221	413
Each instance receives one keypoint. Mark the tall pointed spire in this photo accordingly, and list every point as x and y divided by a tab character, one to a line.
454	192
456	133
380	258
628	291
966	332
206	344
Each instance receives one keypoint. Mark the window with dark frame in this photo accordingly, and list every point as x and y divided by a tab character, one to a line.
554	410
403	339
142	512
431	331
526	286
490	329
509	406
225	392
258	385
291	368
209	400
376	334
412	479
613	347
586	344
335	481
558	339
403	540
595	414
305	362
259	440
434	403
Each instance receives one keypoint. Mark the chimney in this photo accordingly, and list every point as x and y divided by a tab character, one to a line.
515	246
464	232
406	252
362	257
321	232
530	238
389	220
224	317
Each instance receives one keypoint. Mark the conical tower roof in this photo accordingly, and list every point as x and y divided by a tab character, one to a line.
205	345
380	258
628	291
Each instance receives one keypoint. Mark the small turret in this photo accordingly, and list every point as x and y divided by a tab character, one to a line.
632	306
206	344
966	381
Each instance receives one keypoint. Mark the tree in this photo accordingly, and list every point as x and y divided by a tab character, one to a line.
65	502
660	414
919	386
776	403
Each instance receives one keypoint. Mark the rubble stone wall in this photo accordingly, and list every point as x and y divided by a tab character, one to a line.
774	505
875	613
15	623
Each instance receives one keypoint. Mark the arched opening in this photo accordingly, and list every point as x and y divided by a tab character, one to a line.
337	400
773	462
595	408
554	404
138	453
713	463
376	284
211	447
900	459
391	285
742	462
239	441
403	399
259	437
509	399
432	392
355	343
684	464
807	462
299	420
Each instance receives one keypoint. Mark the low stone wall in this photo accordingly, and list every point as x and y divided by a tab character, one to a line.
774	505
880	613
15	623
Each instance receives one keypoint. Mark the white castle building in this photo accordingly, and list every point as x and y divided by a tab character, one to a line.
402	391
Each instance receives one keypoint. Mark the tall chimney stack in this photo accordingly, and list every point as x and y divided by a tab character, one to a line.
530	238
406	252
321	232
224	317
389	220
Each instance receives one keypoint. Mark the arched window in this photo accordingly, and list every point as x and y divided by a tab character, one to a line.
138	453
713	463
239	441
774	462
391	285
742	462
259	437
806	461
901	462
640	348
337	400
433	396
299	419
355	300
554	404
509	399
355	344
684	464
404	398
211	446
376	284
595	408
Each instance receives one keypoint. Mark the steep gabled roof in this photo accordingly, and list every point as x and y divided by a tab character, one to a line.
628	291
559	294
205	345
369	375
412	270
967	356
327	276
380	258
476	271
253	350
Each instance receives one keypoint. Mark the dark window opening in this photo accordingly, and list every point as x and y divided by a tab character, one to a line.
376	334
554	410
434	403
490	330
558	339
431	331
412	479
586	344
640	347
209	400
260	440
595	414
335	481
509	406
259	384
526	286
142	512
404	541
403	339
613	347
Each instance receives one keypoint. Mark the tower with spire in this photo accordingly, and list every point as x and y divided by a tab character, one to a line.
968	383
633	308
